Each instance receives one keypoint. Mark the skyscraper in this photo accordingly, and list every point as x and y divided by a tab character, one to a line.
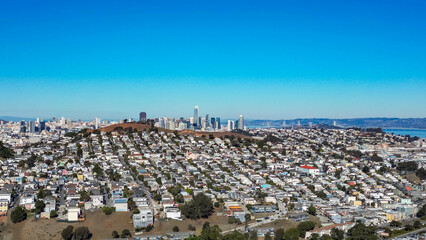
207	120
203	123
142	116
218	123
231	125
196	118
97	121
32	127
241	122
42	125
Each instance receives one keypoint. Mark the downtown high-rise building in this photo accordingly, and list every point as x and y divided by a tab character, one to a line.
196	117
231	125
241	123
32	127
142	116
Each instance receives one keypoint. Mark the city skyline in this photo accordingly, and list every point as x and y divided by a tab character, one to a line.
342	60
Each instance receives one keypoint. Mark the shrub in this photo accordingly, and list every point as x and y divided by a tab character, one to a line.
108	210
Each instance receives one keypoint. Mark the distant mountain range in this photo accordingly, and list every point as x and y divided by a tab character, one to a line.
414	123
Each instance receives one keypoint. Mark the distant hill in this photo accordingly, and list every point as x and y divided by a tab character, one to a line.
417	123
142	127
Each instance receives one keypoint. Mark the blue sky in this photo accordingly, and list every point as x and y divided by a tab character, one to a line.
263	59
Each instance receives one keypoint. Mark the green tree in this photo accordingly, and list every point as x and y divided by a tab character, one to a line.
253	235
210	233
292	234
268	236
312	210
18	214
337	234
422	211
125	233
5	152
82	233
327	237
303	227
115	234
108	210
279	234
53	214
360	231
247	218
234	236
417	224
67	233
39	206
200	207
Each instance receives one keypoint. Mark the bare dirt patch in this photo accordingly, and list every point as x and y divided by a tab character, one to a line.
100	225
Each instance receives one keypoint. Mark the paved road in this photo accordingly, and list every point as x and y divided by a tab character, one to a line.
408	234
242	228
152	203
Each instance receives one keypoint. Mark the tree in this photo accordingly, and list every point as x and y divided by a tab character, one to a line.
108	210
422	211
409	227
131	205
303	227
200	207
53	214
360	231
421	173
234	236
5	152
395	224
210	233
175	229
417	224
292	234
279	234
18	214
325	237
312	210
253	235
82	233
125	233
337	234
314	236
247	218
115	234
409	166
268	236
67	233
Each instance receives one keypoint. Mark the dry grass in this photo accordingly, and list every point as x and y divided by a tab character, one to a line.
100	225
144	127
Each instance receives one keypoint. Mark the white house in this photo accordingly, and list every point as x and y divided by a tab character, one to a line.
308	170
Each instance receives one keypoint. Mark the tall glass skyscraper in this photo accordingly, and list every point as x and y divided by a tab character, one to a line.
196	118
241	122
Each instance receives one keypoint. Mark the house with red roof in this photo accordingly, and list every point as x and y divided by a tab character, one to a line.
310	170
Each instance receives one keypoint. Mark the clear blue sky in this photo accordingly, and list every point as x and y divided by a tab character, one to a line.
263	59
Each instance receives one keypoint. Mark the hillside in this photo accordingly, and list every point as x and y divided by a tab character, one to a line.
144	127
